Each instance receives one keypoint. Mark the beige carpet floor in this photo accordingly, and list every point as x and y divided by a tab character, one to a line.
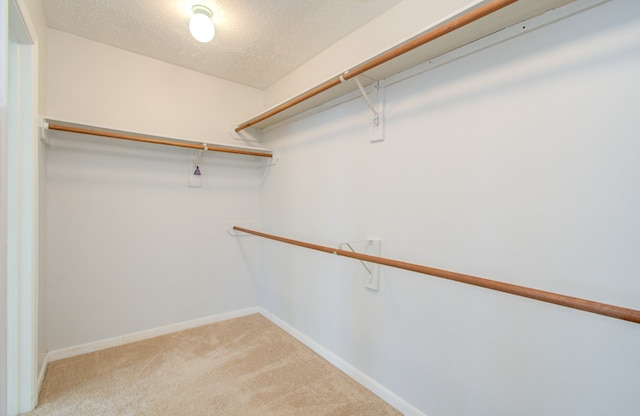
244	366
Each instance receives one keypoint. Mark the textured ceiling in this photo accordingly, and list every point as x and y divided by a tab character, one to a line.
257	42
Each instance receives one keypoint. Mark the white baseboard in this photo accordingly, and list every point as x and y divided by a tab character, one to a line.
41	374
379	390
62	353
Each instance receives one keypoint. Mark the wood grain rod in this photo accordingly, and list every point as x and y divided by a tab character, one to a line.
429	36
290	103
612	311
134	138
403	48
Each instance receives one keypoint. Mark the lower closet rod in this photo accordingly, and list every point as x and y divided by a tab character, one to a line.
612	311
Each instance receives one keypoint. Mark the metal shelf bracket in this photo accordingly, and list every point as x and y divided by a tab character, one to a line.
376	107
371	271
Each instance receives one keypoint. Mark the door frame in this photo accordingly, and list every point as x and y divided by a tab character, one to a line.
19	209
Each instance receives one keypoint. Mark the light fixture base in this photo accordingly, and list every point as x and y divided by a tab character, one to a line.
197	8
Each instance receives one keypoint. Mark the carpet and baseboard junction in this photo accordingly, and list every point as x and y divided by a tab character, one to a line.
242	366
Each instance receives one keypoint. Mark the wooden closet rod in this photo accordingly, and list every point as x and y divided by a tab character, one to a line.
612	311
403	48
134	138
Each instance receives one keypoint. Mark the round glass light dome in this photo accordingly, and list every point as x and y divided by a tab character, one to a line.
201	25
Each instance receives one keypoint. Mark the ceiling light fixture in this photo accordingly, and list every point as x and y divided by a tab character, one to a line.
201	25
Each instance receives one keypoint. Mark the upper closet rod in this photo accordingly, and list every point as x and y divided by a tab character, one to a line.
612	311
403	48
122	136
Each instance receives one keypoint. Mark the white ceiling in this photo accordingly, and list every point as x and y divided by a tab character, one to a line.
257	42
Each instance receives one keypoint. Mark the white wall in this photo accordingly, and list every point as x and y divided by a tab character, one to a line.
518	163
130	246
405	20
93	83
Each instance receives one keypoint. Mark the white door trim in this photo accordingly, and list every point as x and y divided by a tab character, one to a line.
18	202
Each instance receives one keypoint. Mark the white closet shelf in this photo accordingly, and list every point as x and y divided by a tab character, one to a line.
76	128
475	22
